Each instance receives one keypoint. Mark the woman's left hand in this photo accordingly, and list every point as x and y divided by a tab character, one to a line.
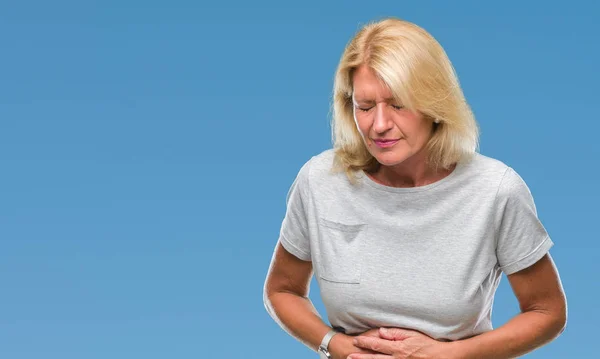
399	343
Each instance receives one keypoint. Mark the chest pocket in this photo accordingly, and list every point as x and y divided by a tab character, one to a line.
340	247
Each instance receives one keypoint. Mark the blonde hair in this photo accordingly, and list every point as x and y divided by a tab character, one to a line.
416	69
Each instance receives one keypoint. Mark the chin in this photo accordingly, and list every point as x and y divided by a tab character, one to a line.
390	159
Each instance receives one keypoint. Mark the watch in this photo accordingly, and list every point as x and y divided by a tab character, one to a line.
324	347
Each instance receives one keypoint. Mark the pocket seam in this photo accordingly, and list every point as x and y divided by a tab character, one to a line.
341	281
341	226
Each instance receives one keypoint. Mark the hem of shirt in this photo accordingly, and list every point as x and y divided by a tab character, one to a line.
291	247
530	258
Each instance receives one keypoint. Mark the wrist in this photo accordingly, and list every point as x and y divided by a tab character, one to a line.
455	350
339	345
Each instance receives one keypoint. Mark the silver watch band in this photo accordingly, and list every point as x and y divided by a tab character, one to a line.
324	347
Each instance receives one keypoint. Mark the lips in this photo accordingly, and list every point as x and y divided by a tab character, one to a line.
386	142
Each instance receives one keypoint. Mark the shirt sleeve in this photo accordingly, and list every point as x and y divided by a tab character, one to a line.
294	235
522	240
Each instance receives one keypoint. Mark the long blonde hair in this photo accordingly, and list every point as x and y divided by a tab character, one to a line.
419	74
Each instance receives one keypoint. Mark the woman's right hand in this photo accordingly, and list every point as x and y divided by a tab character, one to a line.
341	345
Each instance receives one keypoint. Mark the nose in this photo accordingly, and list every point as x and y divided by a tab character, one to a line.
382	120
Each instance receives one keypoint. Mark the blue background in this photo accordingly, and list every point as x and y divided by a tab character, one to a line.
147	147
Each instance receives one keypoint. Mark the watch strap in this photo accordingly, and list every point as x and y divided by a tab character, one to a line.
326	339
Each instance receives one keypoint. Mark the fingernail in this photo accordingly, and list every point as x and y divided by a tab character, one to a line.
354	341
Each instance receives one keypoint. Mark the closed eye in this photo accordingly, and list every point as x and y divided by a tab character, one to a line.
365	109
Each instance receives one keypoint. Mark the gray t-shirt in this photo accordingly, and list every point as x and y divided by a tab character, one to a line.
426	258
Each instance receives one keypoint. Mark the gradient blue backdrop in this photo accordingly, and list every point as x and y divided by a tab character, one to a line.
146	149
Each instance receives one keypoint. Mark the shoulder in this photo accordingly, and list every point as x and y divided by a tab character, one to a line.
486	166
322	161
316	174
505	179
319	165
483	171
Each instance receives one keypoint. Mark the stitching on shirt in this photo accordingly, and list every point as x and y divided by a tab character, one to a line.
308	202
528	254
496	237
304	254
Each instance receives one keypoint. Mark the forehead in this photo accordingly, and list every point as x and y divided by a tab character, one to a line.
367	85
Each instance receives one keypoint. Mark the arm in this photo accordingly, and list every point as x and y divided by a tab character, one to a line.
286	300
543	316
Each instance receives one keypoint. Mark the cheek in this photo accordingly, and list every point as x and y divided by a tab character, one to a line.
415	129
364	129
362	126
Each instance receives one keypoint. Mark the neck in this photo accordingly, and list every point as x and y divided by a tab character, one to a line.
413	172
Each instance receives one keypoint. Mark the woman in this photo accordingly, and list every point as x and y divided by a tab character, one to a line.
406	227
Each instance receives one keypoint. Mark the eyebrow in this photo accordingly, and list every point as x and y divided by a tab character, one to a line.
371	101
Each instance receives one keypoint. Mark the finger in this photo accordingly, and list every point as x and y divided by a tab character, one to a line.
369	356
371	333
396	333
376	344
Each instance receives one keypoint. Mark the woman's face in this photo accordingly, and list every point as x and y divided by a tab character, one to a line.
391	133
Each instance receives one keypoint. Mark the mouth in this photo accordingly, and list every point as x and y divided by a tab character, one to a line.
386	143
